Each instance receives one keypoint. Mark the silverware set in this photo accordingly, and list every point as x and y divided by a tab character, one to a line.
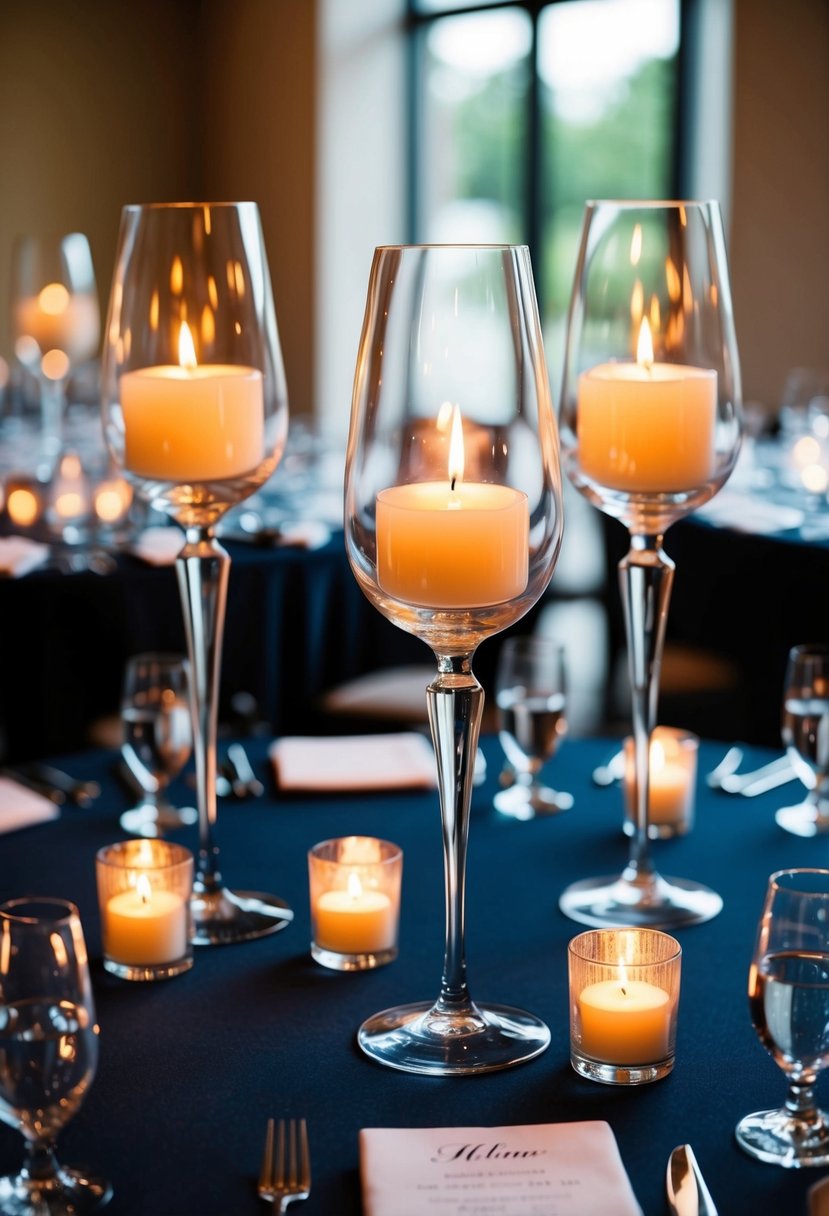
685	1186
54	784
285	1175
723	777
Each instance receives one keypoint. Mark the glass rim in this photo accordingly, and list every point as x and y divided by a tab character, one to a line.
437	246
776	877
575	943
651	204
395	850
816	648
113	855
70	909
188	205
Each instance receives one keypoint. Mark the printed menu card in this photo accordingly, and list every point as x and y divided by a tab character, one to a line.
542	1169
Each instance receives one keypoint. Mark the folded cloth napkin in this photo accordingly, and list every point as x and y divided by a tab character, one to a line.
158	546
751	513
354	762
19	555
542	1169
21	808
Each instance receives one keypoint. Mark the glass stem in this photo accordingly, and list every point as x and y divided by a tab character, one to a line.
455	701
203	568
645	577
800	1100
40	1163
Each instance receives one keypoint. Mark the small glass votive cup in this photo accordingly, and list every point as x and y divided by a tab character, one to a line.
672	783
355	902
144	889
624	997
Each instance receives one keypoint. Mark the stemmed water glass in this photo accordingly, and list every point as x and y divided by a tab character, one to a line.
650	430
788	992
195	411
453	525
48	1052
158	738
805	730
531	697
55	318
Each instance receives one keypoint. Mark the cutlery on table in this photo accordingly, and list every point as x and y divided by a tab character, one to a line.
687	1193
37	787
76	790
284	1180
610	770
729	764
243	780
760	780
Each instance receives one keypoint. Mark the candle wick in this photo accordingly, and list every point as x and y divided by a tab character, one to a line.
624	991
452	484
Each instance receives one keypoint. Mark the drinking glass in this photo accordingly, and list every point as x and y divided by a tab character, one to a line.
158	738
650	430
805	731
453	526
195	411
788	992
530	693
48	1052
55	318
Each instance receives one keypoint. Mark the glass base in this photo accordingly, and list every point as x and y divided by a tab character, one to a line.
223	917
665	903
779	1138
148	971
352	962
71	1193
155	821
802	820
531	801
420	1038
620	1074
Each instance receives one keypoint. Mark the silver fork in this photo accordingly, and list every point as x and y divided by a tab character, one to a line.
281	1182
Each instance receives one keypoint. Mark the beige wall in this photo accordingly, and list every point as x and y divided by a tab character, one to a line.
779	242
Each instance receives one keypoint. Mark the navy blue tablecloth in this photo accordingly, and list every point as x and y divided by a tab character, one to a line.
191	1068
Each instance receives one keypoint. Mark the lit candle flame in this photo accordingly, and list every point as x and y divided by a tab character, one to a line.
456	457
657	756
144	889
623	976
186	349
355	887
644	347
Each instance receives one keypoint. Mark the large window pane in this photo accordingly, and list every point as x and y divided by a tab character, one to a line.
471	168
608	93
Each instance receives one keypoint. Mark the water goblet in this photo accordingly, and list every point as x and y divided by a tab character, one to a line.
48	1053
650	430
453	526
788	992
158	738
196	413
530	694
55	318
805	731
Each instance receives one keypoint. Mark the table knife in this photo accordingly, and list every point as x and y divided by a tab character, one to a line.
687	1193
243	779
80	792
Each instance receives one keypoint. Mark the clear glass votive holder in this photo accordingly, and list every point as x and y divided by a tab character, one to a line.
624	997
672	783
144	889
355	902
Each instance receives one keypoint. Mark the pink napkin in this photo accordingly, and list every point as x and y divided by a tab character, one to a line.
543	1169
19	555
159	546
354	762
21	808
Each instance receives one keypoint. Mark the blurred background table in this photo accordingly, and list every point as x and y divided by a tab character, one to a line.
192	1067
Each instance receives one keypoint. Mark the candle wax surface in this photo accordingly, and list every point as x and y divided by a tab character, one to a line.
144	932
354	924
625	1023
439	547
648	429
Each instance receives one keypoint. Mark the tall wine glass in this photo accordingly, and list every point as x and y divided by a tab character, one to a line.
55	318
158	738
531	696
805	730
453	526
195	411
650	430
48	1052
788	992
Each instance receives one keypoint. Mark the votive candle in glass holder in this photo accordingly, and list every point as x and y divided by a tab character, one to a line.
672	783
144	889
624	997
355	902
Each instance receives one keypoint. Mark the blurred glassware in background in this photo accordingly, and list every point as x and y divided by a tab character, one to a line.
805	732
55	320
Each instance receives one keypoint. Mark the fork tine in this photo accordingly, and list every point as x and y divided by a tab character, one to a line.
279	1171
266	1171
304	1157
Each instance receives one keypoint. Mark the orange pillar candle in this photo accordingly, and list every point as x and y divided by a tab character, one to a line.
192	422
647	426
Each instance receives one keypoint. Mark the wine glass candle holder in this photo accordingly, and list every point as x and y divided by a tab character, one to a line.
453	526
650	429
195	411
